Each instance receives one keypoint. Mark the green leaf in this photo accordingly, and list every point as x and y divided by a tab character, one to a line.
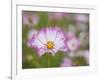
46	60
57	59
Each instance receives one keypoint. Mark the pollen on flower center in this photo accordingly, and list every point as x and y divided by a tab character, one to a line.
50	45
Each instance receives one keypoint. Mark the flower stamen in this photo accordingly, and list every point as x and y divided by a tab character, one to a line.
50	45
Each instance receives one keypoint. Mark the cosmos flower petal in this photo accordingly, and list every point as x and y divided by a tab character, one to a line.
65	49
42	36
41	51
59	42
35	42
51	34
54	51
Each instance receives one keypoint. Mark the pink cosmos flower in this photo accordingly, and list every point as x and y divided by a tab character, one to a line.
48	40
66	62
72	41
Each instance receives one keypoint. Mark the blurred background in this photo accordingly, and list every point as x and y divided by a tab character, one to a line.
77	23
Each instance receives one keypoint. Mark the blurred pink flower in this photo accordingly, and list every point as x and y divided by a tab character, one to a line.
25	19
48	40
70	35
82	18
56	16
30	19
72	41
35	19
66	62
31	33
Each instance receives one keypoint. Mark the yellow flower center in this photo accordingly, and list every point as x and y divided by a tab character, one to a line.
50	45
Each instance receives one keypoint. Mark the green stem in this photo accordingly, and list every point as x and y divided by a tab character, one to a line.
49	59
